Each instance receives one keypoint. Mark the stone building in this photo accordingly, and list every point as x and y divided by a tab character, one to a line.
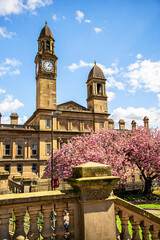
24	149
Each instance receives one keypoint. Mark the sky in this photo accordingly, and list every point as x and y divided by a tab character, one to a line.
122	36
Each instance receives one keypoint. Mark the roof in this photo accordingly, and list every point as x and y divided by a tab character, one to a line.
96	72
46	32
71	105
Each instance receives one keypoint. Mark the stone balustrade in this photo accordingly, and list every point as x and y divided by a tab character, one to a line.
143	223
91	208
14	186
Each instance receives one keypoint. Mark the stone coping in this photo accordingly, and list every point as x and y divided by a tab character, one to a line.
135	209
21	198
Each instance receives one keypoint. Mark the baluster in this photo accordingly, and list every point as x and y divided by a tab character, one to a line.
118	233
135	228
71	221
33	233
145	231
5	214
47	231
154	233
124	222
59	229
19	213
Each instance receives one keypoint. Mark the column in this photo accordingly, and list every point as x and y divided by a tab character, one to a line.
5	214
19	231
33	233
47	231
59	229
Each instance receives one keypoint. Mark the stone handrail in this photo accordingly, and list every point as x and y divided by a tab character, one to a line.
14	186
139	219
16	206
91	209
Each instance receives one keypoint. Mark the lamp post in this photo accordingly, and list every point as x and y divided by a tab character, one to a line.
56	112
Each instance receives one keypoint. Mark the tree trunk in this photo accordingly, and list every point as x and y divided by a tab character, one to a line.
148	185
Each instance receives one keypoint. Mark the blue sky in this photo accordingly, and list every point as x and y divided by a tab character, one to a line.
123	36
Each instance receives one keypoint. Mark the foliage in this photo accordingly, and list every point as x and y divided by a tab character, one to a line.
105	147
120	149
151	206
142	148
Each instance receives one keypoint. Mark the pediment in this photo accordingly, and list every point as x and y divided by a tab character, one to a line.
71	105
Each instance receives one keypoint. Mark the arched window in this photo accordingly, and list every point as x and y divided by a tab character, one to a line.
99	88
48	45
90	89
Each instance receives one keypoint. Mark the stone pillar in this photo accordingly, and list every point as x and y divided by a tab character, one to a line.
146	122
26	182
121	124
5	214
97	214
14	118
110	124
133	123
19	231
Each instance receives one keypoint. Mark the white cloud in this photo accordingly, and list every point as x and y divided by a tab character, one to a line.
113	83
63	17
97	30
15	72
10	104
139	56
79	16
12	61
81	64
144	74
111	96
87	21
5	34
22	120
8	7
136	114
158	95
2	90
54	17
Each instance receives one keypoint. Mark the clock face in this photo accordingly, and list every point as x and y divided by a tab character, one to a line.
48	65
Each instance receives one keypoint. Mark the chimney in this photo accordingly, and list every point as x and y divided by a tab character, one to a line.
14	119
146	122
110	124
0	118
133	123
121	124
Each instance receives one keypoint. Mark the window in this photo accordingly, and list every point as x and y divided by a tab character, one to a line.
48	77
34	149
7	167
99	88
34	167
48	45
19	149
7	149
133	178
19	168
101	125
90	90
48	123
48	149
140	177
48	103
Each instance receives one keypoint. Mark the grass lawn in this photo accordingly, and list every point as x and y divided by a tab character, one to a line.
152	206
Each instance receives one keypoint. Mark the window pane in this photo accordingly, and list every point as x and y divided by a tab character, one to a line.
7	149
7	168
48	123
34	167
19	168
19	149
34	149
48	149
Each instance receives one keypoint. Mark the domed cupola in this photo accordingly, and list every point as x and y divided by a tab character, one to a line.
96	72
96	90
46	32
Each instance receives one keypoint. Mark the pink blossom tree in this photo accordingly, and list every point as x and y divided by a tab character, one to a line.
142	148
105	147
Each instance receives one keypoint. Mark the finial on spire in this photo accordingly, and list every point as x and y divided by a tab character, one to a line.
95	62
46	22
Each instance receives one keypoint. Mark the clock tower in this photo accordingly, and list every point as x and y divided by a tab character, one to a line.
46	71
